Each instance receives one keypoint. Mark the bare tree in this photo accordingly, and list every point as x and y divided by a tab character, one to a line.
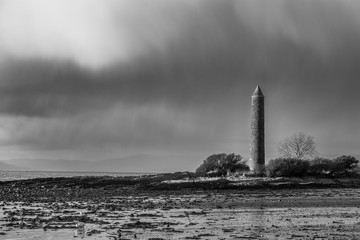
298	146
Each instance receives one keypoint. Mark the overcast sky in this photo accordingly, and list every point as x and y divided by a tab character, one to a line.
99	79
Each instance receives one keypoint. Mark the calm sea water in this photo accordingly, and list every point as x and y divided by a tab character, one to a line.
17	175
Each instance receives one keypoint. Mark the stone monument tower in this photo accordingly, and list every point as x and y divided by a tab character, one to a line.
257	144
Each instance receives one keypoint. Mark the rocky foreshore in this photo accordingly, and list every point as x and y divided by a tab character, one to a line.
180	206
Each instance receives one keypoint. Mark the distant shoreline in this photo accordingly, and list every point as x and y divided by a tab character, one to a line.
10	175
65	171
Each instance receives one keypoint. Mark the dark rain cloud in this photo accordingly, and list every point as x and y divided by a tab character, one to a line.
202	61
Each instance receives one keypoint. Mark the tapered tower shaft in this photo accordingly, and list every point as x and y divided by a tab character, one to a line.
257	144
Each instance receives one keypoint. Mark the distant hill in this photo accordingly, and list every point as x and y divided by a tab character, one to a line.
140	163
46	164
6	166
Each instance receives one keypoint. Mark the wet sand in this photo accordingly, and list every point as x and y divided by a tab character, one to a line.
183	214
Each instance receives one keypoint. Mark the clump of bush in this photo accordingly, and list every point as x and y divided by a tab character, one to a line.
289	167
320	167
222	164
344	165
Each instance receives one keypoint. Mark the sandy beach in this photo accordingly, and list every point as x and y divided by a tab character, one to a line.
104	211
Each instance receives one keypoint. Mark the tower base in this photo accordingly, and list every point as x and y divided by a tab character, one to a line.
258	170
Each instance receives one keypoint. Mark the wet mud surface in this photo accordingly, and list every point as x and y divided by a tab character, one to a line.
129	212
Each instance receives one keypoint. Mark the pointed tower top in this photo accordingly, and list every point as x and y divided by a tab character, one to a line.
258	92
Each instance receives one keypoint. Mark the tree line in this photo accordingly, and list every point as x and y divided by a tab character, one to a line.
298	158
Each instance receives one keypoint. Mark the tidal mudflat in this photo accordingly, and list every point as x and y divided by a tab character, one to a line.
138	213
